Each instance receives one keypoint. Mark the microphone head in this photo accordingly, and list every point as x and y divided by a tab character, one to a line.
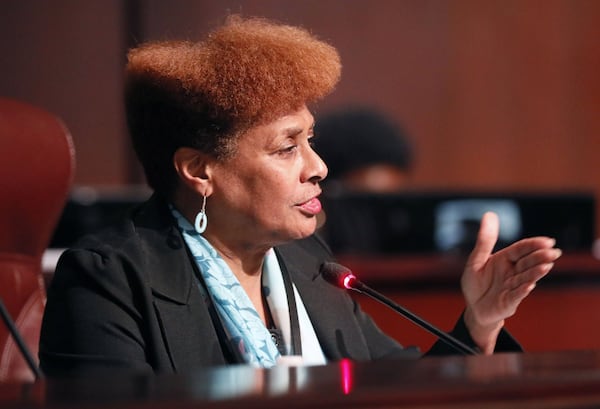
336	274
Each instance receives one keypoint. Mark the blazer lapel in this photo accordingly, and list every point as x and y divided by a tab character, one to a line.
331	310
186	327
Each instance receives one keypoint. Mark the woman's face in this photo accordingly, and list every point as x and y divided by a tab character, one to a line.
267	193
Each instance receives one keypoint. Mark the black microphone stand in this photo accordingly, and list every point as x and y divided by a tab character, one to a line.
354	284
19	340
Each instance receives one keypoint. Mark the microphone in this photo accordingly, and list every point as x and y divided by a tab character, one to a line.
342	277
14	332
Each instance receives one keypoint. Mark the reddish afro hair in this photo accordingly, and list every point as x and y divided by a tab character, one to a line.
204	94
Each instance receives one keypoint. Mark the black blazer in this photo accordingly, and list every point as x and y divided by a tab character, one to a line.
128	298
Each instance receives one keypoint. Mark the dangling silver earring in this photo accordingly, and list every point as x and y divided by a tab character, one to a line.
201	220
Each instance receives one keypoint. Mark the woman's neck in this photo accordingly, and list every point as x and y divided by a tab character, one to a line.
247	268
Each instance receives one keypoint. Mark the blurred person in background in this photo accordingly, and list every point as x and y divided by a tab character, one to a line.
365	151
368	154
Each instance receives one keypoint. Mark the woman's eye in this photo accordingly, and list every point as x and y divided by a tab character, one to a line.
289	149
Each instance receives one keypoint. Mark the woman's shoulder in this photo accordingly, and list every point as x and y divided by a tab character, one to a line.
140	235
101	255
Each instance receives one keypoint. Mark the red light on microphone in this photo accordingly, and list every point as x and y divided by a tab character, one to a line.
348	280
340	276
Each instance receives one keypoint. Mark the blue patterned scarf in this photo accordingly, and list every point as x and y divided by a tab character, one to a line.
245	328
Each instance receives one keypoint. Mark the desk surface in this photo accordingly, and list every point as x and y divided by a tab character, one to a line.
552	380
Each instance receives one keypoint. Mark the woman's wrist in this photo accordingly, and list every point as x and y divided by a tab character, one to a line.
484	335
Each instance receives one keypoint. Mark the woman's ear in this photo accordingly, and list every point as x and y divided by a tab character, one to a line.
193	168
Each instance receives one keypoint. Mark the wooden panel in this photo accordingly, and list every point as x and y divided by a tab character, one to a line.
494	94
500	95
67	56
560	314
551	319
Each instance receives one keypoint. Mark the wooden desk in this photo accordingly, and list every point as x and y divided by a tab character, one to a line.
541	380
562	313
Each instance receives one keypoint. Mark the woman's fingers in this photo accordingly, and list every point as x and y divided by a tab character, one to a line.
524	247
543	256
529	276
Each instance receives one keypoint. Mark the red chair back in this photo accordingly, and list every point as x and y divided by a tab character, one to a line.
36	172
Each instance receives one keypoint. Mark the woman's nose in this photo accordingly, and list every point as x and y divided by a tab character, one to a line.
316	169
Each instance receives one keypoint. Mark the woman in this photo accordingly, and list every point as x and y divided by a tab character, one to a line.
221	265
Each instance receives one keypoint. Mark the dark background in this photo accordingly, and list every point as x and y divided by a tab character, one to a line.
496	95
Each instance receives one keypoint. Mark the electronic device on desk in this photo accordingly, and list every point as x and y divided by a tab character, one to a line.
442	222
90	209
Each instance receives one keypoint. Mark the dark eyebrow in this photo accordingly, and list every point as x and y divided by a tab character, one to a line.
292	131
